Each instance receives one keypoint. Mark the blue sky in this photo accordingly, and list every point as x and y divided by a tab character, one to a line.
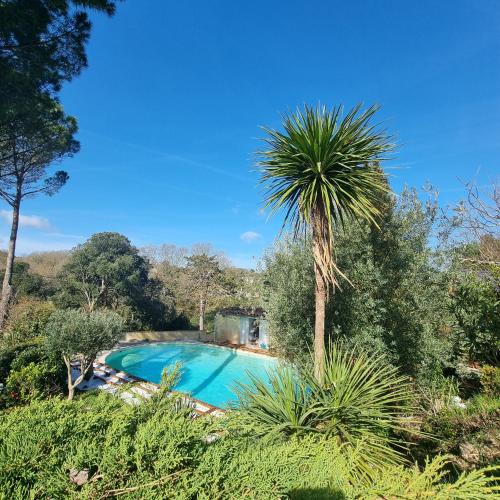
170	106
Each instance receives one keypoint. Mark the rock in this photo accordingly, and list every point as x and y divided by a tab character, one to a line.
457	401
469	453
211	438
79	477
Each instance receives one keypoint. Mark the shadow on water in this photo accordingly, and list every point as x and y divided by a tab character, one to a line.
316	494
214	374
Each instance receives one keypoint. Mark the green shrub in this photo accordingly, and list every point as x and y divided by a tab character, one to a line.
475	304
27	321
9	353
34	381
467	431
490	380
30	372
153	451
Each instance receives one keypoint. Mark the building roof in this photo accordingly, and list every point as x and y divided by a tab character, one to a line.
253	312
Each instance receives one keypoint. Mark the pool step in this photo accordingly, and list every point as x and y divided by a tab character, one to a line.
148	387
142	391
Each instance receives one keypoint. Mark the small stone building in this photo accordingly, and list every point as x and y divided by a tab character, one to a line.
242	326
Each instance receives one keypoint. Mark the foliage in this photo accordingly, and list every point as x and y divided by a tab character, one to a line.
170	377
323	172
360	399
475	304
468	430
34	381
398	304
413	483
27	321
27	283
156	451
8	354
28	372
411	293
289	297
206	279
108	272
42	44
73	333
77	335
323	169
46	264
490	380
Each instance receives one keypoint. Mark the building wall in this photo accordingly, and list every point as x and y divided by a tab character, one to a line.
235	329
263	334
170	335
227	328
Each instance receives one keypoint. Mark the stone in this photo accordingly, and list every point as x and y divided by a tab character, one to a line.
79	477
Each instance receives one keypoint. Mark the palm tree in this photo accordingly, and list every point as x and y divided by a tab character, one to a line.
323	170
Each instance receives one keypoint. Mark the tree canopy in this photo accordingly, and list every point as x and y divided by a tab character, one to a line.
108	272
42	44
77	335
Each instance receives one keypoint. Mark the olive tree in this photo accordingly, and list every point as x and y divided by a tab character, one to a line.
79	336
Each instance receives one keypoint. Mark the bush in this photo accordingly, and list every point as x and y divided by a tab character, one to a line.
29	372
475	303
27	321
34	381
466	431
397	303
8	354
154	451
289	297
490	380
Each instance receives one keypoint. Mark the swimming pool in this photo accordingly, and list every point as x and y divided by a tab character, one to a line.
209	373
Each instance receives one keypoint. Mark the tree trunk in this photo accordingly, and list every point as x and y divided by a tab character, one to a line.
319	325
322	253
84	368
202	315
9	265
71	387
90	372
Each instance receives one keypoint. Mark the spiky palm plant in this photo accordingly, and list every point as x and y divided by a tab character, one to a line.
360	403
323	170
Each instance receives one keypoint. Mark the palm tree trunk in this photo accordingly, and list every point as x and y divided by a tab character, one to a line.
9	265
322	250
319	324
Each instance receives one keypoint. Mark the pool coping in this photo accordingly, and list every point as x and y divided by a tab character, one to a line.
201	407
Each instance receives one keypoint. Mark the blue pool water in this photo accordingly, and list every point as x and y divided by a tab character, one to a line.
209	373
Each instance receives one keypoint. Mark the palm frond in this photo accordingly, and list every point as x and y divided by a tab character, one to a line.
358	404
322	170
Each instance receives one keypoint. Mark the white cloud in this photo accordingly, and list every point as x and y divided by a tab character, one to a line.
250	236
34	221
